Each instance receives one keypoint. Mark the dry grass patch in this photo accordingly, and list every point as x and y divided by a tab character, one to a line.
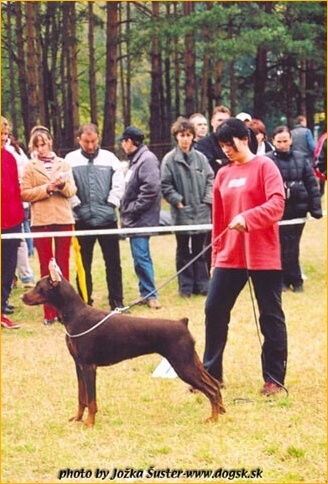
143	421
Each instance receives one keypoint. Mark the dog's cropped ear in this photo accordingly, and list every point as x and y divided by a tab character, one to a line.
55	273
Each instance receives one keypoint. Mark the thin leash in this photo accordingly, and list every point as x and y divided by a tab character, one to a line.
137	302
255	313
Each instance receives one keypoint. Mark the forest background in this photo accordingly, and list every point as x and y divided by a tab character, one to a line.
145	63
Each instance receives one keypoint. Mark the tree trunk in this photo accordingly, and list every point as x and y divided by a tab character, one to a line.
190	68
21	69
217	94
206	68
92	66
108	138
233	88
11	69
260	77
125	62
177	72
310	90
156	84
71	115
32	60
56	103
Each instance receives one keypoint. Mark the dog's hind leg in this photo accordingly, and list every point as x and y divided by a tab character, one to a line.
194	373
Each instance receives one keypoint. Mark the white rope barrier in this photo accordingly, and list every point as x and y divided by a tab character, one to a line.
166	229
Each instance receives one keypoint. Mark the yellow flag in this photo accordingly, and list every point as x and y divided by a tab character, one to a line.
80	269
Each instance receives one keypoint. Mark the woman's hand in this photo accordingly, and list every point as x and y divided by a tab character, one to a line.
238	223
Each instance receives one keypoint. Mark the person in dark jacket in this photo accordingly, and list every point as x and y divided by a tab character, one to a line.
99	178
140	207
302	196
302	138
208	145
187	184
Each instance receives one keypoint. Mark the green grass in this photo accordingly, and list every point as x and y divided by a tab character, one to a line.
143	421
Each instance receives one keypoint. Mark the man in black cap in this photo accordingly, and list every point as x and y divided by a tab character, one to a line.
140	207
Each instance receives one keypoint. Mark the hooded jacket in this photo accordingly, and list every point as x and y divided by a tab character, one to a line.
301	189
140	205
188	178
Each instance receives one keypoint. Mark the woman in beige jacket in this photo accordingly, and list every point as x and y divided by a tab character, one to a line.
48	184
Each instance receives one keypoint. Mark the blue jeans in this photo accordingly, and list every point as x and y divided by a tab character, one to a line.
225	287
143	266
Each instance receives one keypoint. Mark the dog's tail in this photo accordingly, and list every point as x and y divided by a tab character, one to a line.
185	321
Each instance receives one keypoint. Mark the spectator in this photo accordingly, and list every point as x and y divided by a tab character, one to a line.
12	216
245	118
200	126
248	200
320	162
302	196
48	184
209	146
140	207
187	182
25	272
302	138
99	178
263	145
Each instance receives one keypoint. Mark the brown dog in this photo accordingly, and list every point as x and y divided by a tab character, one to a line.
117	338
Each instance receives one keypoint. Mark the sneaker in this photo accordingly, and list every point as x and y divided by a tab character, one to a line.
49	322
6	323
298	289
185	294
154	304
270	388
141	300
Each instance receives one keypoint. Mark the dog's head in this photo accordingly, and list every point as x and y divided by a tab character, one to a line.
44	291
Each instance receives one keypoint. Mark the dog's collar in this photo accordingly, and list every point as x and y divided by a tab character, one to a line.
116	311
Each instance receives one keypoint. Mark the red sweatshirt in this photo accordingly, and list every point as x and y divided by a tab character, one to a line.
254	190
12	212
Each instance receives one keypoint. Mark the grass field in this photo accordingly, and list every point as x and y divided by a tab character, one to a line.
149	423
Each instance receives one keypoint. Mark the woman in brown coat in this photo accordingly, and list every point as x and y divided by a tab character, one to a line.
48	184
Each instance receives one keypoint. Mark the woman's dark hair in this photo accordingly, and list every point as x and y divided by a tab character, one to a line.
231	128
280	129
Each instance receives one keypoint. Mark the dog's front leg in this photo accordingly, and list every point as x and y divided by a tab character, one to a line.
82	393
89	376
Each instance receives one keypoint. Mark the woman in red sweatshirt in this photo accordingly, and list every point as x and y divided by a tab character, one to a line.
248	201
12	216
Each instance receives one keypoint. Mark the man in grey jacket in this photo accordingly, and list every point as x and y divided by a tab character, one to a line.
140	207
99	177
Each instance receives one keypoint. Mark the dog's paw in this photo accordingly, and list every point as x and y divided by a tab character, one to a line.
211	419
76	418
